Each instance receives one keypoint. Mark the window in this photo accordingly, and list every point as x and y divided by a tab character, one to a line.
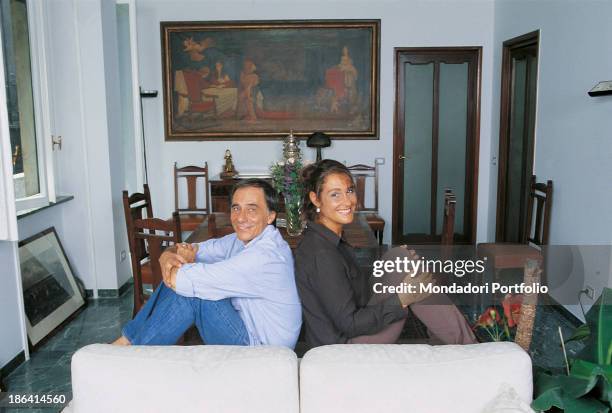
24	113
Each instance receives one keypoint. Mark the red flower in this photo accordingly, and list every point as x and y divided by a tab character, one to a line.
512	308
489	318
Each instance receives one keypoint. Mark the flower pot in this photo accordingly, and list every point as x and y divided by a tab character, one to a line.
293	208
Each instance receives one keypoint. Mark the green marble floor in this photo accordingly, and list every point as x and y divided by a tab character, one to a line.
48	370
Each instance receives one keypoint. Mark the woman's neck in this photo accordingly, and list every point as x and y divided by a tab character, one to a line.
332	226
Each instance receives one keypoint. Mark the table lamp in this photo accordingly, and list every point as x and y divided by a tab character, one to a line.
318	140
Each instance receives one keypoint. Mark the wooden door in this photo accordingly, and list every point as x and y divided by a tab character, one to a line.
517	135
436	137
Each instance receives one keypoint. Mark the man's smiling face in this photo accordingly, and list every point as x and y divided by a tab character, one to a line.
249	213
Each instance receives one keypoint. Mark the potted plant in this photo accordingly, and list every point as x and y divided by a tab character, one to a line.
587	388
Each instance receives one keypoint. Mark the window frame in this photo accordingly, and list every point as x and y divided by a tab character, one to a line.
42	120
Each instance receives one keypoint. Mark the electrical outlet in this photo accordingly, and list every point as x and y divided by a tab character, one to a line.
122	256
588	290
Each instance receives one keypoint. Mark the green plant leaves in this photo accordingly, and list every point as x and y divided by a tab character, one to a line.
588	387
569	393
580	333
598	347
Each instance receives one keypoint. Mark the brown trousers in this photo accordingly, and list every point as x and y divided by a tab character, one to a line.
441	317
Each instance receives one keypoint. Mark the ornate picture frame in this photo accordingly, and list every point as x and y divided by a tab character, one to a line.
254	80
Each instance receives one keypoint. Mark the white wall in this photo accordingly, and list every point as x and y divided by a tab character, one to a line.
125	83
573	131
403	24
117	155
10	322
85	110
83	55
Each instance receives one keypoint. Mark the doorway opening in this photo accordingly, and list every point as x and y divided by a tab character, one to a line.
517	135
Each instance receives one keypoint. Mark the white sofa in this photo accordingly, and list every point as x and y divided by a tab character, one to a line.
339	378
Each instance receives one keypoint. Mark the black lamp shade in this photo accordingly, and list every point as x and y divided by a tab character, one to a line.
318	140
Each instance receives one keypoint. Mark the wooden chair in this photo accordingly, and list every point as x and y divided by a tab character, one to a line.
448	225
136	206
192	216
361	173
147	237
448	222
506	255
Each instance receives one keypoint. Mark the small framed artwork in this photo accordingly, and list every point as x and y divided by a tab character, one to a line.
50	291
245	80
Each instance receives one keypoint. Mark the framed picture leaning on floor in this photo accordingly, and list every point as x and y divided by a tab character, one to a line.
50	291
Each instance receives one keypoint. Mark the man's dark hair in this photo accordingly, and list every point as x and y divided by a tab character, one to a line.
269	192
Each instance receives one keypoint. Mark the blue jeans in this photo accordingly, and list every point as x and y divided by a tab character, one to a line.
167	315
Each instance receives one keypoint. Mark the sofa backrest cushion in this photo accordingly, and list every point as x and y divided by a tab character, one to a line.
411	378
176	379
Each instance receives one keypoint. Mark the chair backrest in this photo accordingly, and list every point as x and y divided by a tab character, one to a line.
361	173
448	222
215	231
134	207
540	200
155	235
191	174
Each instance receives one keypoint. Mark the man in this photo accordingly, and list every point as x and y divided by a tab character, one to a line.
238	290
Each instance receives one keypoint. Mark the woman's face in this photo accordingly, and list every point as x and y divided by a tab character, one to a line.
337	201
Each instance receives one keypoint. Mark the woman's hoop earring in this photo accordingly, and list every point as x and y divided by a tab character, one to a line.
318	210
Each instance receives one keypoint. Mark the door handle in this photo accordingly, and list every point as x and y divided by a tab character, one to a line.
56	140
402	157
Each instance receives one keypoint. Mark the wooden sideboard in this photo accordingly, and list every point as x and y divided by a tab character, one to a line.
220	190
220	194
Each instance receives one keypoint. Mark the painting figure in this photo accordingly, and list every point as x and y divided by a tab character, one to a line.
190	82
249	95
220	78
342	79
189	85
223	91
195	50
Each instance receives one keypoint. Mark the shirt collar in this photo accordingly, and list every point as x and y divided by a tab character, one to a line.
326	233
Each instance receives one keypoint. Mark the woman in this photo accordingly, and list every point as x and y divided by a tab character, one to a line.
337	302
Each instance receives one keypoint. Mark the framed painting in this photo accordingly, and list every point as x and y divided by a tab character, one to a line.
50	292
260	79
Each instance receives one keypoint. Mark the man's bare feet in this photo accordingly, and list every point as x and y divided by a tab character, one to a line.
121	341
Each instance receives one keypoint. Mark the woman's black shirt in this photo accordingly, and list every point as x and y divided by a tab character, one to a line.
334	293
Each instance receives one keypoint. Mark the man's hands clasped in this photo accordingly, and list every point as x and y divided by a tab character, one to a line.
173	259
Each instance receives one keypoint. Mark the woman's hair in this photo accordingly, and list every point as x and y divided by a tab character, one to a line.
314	176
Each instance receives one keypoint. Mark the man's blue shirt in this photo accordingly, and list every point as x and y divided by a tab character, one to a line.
259	279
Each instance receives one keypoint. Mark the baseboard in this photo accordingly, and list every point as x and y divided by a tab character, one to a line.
111	292
11	366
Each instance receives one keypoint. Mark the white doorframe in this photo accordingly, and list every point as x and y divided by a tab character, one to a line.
136	103
8	212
